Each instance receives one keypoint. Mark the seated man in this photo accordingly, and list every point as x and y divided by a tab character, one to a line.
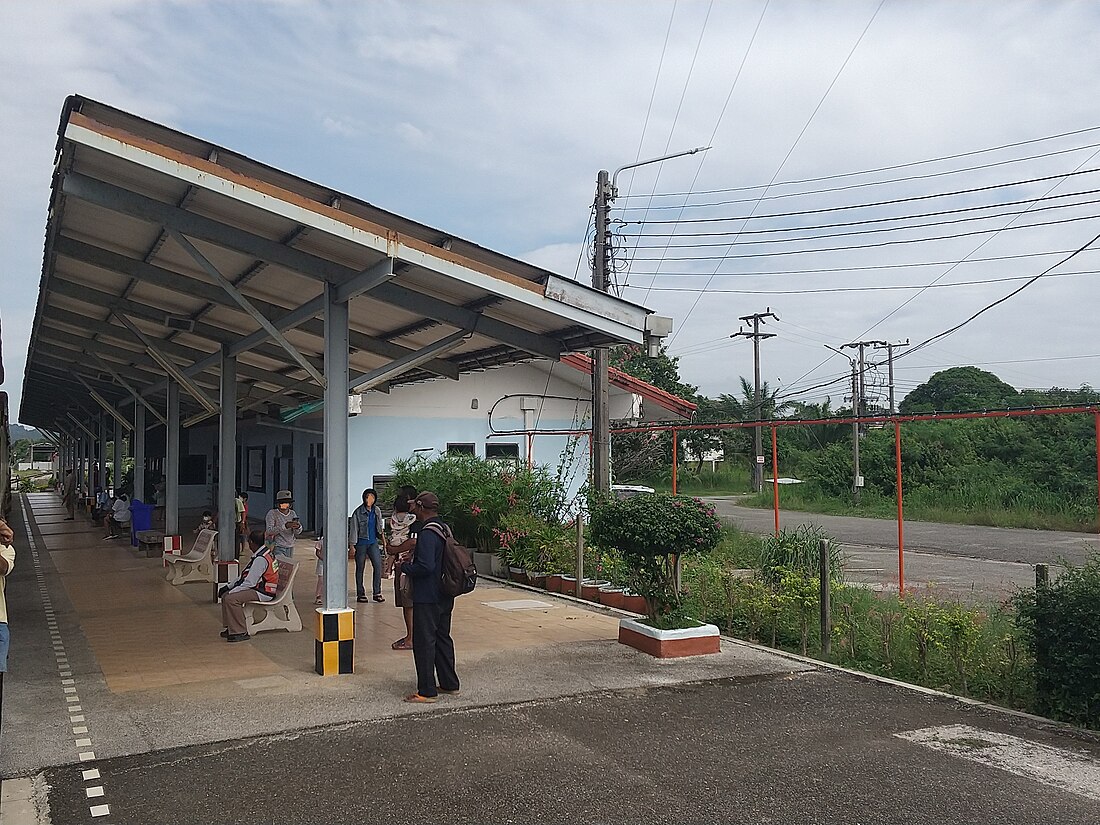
118	521
258	583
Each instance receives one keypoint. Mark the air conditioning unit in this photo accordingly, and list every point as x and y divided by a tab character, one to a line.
179	323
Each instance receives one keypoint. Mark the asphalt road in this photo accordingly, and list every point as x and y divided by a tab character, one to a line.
820	747
996	543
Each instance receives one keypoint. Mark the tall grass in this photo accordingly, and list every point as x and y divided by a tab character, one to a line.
726	481
981	504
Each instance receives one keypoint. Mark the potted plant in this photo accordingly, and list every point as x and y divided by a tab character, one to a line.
649	531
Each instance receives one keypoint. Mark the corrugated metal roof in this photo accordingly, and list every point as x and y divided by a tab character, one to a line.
130	195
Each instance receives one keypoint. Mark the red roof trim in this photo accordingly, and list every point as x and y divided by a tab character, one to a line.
624	381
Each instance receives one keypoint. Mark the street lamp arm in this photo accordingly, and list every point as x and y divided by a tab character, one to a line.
614	190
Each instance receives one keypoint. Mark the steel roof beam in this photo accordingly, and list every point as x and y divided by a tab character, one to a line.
246	305
303	317
200	359
412	361
109	301
78	423
365	281
212	231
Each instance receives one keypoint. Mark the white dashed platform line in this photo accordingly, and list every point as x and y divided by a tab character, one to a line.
1073	771
68	682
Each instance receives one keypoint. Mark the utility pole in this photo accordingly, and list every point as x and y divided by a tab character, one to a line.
756	335
889	347
606	192
601	280
857	405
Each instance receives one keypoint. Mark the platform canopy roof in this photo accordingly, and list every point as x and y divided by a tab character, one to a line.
163	250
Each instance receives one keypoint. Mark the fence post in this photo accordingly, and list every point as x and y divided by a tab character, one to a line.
1042	576
826	608
901	515
580	553
675	450
775	480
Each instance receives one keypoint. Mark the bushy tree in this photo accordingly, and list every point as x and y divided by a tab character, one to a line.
959	389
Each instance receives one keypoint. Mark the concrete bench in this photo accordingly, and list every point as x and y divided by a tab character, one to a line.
279	613
195	566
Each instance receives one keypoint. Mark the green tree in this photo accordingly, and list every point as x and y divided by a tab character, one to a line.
959	389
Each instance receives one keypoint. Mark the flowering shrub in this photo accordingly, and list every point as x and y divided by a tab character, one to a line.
648	531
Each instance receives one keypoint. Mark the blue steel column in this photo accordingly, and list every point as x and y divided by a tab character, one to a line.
139	452
172	463
335	646
227	459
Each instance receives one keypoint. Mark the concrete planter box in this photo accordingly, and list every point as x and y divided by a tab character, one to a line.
553	582
668	644
634	603
612	597
590	590
484	563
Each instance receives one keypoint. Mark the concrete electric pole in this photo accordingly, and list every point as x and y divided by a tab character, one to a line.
601	280
756	335
606	192
890	347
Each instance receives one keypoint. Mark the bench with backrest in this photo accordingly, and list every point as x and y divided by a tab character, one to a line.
279	613
196	565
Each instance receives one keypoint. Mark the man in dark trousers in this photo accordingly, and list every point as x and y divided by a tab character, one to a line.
433	649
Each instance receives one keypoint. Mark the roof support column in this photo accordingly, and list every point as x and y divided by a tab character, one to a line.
117	458
101	453
334	650
227	460
172	463
139	453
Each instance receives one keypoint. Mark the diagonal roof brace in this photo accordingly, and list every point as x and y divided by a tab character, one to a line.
168	366
80	424
99	399
245	304
402	365
126	385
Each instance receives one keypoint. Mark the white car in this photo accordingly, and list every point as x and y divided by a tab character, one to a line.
624	491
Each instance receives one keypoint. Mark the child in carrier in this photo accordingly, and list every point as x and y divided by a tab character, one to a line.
207	522
398	529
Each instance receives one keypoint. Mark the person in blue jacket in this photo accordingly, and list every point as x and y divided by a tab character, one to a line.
433	648
364	533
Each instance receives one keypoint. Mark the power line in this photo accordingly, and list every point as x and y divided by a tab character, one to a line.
752	216
877	245
797	140
907	165
888	219
864	268
822	290
717	123
1001	300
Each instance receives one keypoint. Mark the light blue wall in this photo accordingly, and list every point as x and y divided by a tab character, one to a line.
375	442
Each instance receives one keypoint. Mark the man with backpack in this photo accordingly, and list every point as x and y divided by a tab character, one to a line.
433	648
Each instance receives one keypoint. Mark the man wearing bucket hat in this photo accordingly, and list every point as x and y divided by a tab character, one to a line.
282	525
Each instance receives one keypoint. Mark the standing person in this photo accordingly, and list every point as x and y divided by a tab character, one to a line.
240	507
433	648
282	525
258	583
400	542
364	529
68	498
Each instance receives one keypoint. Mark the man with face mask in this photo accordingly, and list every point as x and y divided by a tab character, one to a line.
283	525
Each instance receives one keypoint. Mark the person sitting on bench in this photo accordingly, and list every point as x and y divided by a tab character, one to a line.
258	583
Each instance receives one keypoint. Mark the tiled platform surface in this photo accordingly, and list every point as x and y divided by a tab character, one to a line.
154	673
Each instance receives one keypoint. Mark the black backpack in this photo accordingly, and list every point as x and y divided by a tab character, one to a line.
459	572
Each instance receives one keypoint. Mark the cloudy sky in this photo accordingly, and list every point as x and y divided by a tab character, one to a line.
491	119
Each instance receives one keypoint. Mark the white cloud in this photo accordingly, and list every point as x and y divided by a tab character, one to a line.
491	119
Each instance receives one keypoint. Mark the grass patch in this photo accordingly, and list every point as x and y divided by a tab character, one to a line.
724	482
948	506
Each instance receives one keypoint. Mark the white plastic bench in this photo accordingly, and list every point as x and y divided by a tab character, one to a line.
195	566
279	613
